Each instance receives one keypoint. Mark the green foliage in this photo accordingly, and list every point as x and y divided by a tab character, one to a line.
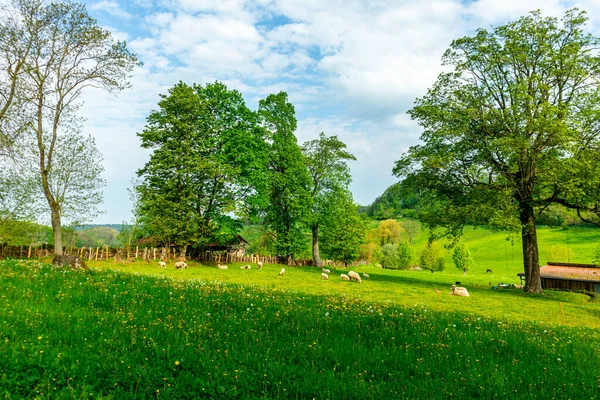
389	231
288	181
501	141
343	229
463	260
406	255
246	332
396	200
432	258
208	161
326	159
389	256
99	236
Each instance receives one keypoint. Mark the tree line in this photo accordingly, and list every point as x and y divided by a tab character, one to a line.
216	164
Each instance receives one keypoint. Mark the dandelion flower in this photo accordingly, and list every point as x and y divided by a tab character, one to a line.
176	362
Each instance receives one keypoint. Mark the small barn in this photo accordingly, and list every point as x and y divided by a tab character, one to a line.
569	276
236	247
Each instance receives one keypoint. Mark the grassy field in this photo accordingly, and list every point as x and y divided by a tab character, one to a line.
134	330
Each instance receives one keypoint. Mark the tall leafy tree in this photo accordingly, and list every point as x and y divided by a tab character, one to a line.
509	129
288	179
59	50
208	160
327	161
344	229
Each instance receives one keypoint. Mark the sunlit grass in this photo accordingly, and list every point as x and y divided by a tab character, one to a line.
202	332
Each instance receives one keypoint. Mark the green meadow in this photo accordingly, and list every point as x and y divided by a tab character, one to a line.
134	330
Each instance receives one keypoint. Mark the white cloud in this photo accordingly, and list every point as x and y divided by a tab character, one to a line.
351	69
112	8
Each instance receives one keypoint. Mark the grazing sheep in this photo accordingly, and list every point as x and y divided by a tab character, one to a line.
518	287
325	270
324	276
354	276
459	291
282	272
180	265
162	264
365	275
436	290
259	264
247	266
221	266
344	277
489	271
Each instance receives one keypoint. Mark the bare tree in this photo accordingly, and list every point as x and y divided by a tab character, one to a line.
66	52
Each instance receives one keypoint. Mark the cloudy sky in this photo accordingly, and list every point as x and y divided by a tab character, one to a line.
351	68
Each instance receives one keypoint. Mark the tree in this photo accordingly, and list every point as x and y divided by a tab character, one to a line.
327	161
343	229
406	255
389	257
462	258
432	258
509	129
208	160
61	51
14	50
389	231
287	176
412	228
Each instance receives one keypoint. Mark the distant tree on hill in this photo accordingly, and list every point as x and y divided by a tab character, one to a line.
389	231
406	255
389	256
432	257
462	258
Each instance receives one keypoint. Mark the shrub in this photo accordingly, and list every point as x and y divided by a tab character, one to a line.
406	254
389	256
432	258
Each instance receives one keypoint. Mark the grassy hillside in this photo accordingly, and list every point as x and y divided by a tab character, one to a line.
196	333
503	254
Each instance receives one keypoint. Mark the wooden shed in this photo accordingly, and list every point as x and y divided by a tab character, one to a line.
569	276
235	247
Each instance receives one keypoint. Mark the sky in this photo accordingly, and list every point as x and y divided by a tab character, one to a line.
351	69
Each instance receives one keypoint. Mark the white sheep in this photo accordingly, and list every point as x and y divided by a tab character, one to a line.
282	272
354	276
221	266
180	265
365	275
324	276
326	270
247	266
259	264
162	264
344	277
459	291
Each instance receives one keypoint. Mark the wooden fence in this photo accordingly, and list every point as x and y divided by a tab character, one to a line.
150	254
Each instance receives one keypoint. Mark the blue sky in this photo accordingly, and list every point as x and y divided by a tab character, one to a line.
351	68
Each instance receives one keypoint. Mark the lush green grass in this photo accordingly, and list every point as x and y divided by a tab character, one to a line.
252	334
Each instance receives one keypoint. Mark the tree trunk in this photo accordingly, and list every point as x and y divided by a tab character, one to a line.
315	246
58	251
183	251
531	261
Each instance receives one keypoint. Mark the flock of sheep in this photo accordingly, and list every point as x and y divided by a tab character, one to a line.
351	276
